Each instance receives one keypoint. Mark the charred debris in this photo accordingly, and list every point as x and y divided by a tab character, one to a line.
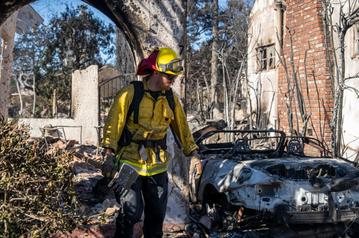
50	187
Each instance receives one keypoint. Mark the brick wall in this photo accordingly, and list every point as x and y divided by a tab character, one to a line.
304	21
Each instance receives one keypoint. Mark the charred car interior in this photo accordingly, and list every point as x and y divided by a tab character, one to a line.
271	185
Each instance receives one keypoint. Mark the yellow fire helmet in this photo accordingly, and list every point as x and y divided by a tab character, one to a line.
167	62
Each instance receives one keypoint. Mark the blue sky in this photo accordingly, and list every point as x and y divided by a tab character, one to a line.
48	8
222	3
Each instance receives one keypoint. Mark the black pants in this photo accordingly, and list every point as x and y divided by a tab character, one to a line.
154	191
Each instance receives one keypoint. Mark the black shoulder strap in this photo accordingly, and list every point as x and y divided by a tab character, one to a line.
137	97
126	137
170	99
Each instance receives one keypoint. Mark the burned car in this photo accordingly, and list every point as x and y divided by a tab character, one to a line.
283	186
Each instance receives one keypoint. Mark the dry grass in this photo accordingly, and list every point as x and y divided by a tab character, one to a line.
36	194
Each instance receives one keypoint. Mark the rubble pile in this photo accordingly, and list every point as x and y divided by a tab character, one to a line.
54	188
96	202
90	185
36	193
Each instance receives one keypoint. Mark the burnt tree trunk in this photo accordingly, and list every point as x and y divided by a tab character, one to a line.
214	57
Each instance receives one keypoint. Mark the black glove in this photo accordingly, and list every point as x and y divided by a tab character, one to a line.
109	165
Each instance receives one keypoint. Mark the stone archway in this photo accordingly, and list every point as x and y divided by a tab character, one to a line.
145	24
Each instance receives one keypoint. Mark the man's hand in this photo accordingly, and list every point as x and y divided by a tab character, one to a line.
195	172
109	165
195	165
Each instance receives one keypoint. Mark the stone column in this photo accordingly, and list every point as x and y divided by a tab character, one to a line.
85	101
7	31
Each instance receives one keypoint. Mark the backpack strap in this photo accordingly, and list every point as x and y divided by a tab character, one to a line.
170	99
137	97
171	102
126	137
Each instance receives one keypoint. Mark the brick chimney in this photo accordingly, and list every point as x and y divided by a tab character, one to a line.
303	23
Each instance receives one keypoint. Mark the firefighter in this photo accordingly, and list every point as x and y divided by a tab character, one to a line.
136	133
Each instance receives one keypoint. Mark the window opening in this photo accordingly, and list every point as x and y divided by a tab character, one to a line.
266	57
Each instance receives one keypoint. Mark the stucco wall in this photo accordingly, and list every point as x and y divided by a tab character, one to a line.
263	84
351	100
7	33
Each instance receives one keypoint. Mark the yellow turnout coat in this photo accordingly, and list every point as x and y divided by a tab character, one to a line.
155	117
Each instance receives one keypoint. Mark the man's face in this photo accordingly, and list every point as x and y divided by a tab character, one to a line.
166	80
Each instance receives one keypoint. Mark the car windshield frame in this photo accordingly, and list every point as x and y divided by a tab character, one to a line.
278	151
